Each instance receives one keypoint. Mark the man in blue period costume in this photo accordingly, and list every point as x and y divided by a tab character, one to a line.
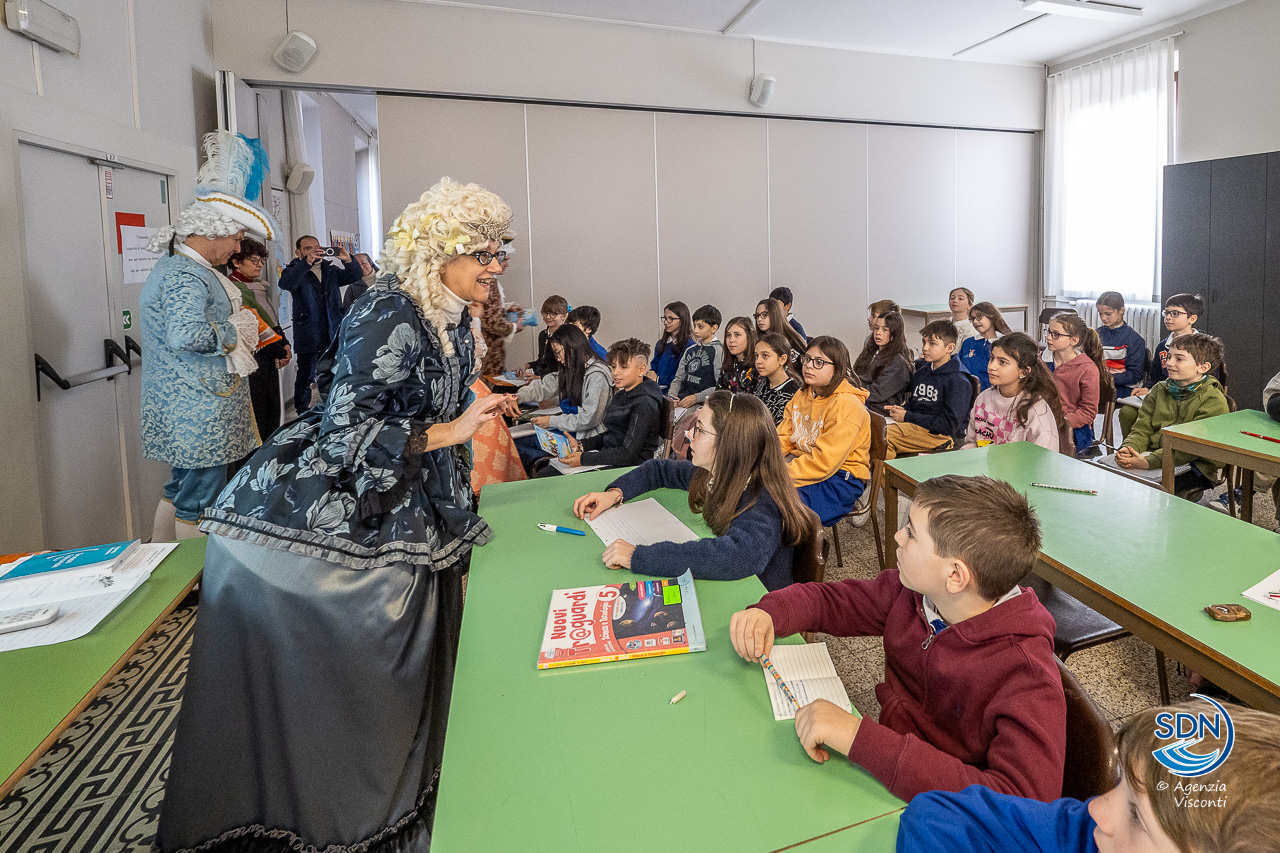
314	711
199	339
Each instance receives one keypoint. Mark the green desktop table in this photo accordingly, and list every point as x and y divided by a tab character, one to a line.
594	757
43	689
1140	556
1221	439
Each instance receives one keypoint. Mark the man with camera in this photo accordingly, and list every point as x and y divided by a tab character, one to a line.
315	283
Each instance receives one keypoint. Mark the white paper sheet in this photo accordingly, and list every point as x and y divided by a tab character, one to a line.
809	673
1134	401
1258	592
79	616
560	466
521	430
1153	474
645	522
133	247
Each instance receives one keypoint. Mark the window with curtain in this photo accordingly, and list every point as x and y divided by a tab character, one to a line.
1108	136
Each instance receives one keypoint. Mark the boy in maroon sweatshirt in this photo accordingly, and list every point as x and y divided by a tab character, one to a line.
971	693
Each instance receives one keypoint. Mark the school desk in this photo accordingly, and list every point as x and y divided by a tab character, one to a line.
1220	439
1140	556
43	689
595	757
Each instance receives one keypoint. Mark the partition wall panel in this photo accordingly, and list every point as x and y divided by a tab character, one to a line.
713	211
630	209
818	224
591	178
911	252
424	139
996	218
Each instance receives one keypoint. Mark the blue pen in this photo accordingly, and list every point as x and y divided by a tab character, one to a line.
555	528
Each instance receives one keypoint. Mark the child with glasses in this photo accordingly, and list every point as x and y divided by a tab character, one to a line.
737	482
937	413
1080	374
1181	313
975	352
771	317
677	334
826	432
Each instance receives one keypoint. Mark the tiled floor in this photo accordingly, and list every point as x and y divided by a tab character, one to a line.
1120	676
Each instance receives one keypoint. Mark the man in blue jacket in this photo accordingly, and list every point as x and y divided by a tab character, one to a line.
317	307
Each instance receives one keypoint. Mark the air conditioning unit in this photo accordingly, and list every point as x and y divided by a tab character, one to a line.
43	23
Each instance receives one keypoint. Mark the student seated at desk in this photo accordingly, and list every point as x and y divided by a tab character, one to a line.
1022	402
1181	313
1079	372
739	485
884	366
826	432
587	318
1122	347
1189	394
1235	807
777	383
972	694
581	388
695	378
631	420
975	352
936	414
960	301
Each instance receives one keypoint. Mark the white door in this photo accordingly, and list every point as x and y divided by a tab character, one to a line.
138	198
81	463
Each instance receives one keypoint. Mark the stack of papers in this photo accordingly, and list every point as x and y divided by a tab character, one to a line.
559	465
83	602
809	674
1259	591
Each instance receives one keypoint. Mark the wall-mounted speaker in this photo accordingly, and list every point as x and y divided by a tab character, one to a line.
299	178
295	51
761	90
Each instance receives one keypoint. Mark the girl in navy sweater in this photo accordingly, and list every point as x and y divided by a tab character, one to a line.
975	352
1123	348
737	482
677	334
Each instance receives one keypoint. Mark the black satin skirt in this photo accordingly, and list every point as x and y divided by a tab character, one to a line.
315	706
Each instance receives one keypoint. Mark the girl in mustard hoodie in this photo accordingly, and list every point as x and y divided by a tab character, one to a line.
826	432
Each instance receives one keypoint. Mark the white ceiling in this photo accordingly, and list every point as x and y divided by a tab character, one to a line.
934	28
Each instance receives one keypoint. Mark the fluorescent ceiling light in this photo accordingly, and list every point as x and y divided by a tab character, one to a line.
1083	9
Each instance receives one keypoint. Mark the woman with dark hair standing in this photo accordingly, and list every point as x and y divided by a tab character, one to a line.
273	353
737	482
677	334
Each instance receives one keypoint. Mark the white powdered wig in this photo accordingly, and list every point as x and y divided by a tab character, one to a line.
195	219
448	220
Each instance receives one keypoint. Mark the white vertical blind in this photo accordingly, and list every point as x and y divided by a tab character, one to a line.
1108	136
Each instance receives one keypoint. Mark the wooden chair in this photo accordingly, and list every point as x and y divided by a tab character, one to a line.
1107	402
1092	766
878	448
809	565
667	426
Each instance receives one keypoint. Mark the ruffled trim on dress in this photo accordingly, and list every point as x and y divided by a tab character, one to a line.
403	836
335	549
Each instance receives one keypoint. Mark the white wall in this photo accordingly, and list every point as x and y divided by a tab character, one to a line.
1229	83
88	103
415	47
628	210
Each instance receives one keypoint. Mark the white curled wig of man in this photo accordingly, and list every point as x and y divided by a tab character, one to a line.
448	220
233	172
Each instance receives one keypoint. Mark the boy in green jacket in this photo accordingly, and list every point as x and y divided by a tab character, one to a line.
1187	395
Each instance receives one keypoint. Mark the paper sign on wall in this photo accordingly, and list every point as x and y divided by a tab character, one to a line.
277	204
137	260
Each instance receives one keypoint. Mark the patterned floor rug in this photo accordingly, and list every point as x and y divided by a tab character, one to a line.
98	789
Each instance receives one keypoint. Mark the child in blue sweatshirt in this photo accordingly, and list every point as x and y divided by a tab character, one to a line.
936	415
1235	806
740	486
587	318
975	352
1123	348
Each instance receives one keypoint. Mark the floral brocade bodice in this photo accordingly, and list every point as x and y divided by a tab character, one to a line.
337	482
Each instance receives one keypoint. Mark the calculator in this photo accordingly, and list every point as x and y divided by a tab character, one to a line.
30	617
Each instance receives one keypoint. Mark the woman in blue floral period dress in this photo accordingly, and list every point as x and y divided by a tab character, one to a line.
314	711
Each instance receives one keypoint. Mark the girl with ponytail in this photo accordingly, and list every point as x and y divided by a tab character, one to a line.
1080	373
1022	402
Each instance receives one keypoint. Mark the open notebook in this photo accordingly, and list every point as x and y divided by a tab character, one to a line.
809	674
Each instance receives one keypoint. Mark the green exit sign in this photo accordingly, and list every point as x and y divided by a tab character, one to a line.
127	317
